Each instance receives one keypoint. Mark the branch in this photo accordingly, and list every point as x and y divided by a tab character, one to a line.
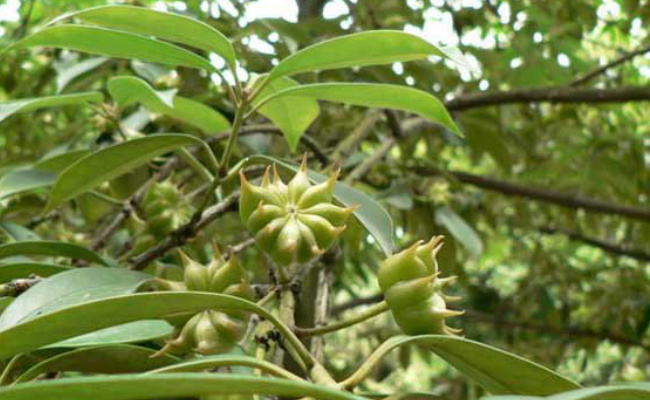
535	193
498	321
102	236
575	332
601	70
609	247
18	286
186	232
557	94
370	312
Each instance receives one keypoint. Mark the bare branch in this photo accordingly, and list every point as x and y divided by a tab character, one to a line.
601	70
609	247
546	195
559	94
186	232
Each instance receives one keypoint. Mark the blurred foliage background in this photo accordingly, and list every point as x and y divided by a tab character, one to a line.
545	205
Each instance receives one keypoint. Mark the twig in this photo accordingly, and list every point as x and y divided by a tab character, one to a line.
554	330
535	193
101	238
186	232
306	140
498	321
559	94
362	169
609	247
371	312
18	286
351	141
601	70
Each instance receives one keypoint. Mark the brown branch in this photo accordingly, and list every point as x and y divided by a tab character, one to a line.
103	235
558	94
356	302
185	233
498	321
535	193
601	70
569	331
609	247
18	286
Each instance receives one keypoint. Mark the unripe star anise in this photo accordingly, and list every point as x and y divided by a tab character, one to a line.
292	222
412	286
212	331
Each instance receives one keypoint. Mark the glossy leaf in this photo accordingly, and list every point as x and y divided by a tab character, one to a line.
41	175
111	162
373	95
224	360
52	249
90	316
67	72
115	359
127	90
25	105
171	385
132	332
4	302
13	271
359	49
460	230
60	162
495	370
112	43
16	232
25	180
624	391
371	215
164	25
67	289
292	115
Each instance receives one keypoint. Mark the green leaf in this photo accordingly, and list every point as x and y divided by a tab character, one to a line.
67	289
173	27
171	385
133	332
16	232
42	174
25	180
4	302
81	318
114	359
127	90
68	71
224	360
108	42
460	230
25	105
60	162
360	49
111	162
13	271
292	115
370	214
53	249
625	391
374	95
495	370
